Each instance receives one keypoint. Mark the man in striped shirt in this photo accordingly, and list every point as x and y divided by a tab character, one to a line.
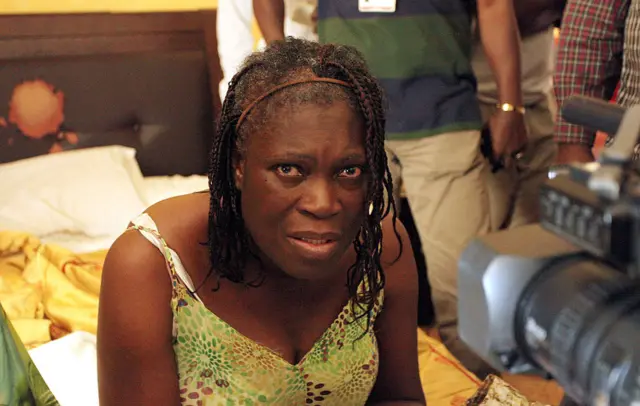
599	46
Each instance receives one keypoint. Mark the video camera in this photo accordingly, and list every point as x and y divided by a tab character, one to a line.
562	298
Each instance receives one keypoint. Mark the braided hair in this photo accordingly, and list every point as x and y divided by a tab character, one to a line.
229	242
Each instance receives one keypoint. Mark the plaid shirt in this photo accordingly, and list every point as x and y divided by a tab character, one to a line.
590	59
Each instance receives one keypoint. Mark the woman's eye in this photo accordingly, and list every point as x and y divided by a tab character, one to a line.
351	172
288	170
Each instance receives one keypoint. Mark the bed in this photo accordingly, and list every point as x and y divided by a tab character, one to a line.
102	115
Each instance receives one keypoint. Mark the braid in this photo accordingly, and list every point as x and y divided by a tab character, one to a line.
367	244
229	242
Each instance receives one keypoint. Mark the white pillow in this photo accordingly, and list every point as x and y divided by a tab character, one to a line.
157	188
94	191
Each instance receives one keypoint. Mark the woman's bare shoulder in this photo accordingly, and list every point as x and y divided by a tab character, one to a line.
136	269
185	209
182	219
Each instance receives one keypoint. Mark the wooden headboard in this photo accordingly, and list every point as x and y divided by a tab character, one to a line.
147	80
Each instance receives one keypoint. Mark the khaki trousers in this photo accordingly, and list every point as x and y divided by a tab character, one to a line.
454	197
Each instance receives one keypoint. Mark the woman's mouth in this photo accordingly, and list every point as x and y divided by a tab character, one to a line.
314	241
318	249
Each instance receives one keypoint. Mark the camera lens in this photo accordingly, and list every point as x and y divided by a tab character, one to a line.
574	320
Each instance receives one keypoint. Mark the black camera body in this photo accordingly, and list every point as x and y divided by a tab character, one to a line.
562	298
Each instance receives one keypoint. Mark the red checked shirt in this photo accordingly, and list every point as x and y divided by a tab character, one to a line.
590	58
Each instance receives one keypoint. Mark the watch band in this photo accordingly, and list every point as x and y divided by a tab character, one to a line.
510	107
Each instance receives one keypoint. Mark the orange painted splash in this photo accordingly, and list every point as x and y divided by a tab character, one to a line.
36	108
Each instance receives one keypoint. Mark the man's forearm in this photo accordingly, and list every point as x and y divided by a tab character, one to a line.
501	42
270	17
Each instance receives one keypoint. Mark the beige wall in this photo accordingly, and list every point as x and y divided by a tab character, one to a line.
69	6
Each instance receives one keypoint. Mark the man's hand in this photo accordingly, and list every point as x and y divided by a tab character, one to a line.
508	135
568	153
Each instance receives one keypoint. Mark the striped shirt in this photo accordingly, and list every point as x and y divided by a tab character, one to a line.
599	44
421	55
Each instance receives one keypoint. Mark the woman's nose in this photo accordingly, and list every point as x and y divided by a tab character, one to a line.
320	199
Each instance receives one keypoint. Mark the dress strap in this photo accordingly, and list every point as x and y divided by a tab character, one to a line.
147	227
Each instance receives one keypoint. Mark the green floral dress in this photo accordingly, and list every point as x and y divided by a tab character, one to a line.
217	365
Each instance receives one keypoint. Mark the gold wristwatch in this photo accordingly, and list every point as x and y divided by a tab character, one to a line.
510	107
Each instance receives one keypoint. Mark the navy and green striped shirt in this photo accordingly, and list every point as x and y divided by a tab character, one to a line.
422	56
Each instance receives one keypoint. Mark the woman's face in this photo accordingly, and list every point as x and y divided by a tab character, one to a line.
303	183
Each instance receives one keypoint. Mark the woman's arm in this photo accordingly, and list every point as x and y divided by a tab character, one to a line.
136	363
398	380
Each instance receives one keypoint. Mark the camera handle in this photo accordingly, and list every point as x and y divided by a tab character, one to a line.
607	179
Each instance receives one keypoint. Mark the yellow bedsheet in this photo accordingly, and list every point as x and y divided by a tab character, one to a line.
444	380
44	287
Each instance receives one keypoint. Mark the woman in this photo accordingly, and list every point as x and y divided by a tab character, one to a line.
295	298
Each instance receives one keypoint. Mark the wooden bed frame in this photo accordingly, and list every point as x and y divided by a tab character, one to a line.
147	80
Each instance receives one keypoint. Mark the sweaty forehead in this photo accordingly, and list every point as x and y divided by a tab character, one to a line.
264	104
310	129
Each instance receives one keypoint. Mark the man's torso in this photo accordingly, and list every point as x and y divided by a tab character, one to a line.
420	53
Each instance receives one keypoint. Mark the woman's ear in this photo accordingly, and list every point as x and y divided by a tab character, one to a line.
238	169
